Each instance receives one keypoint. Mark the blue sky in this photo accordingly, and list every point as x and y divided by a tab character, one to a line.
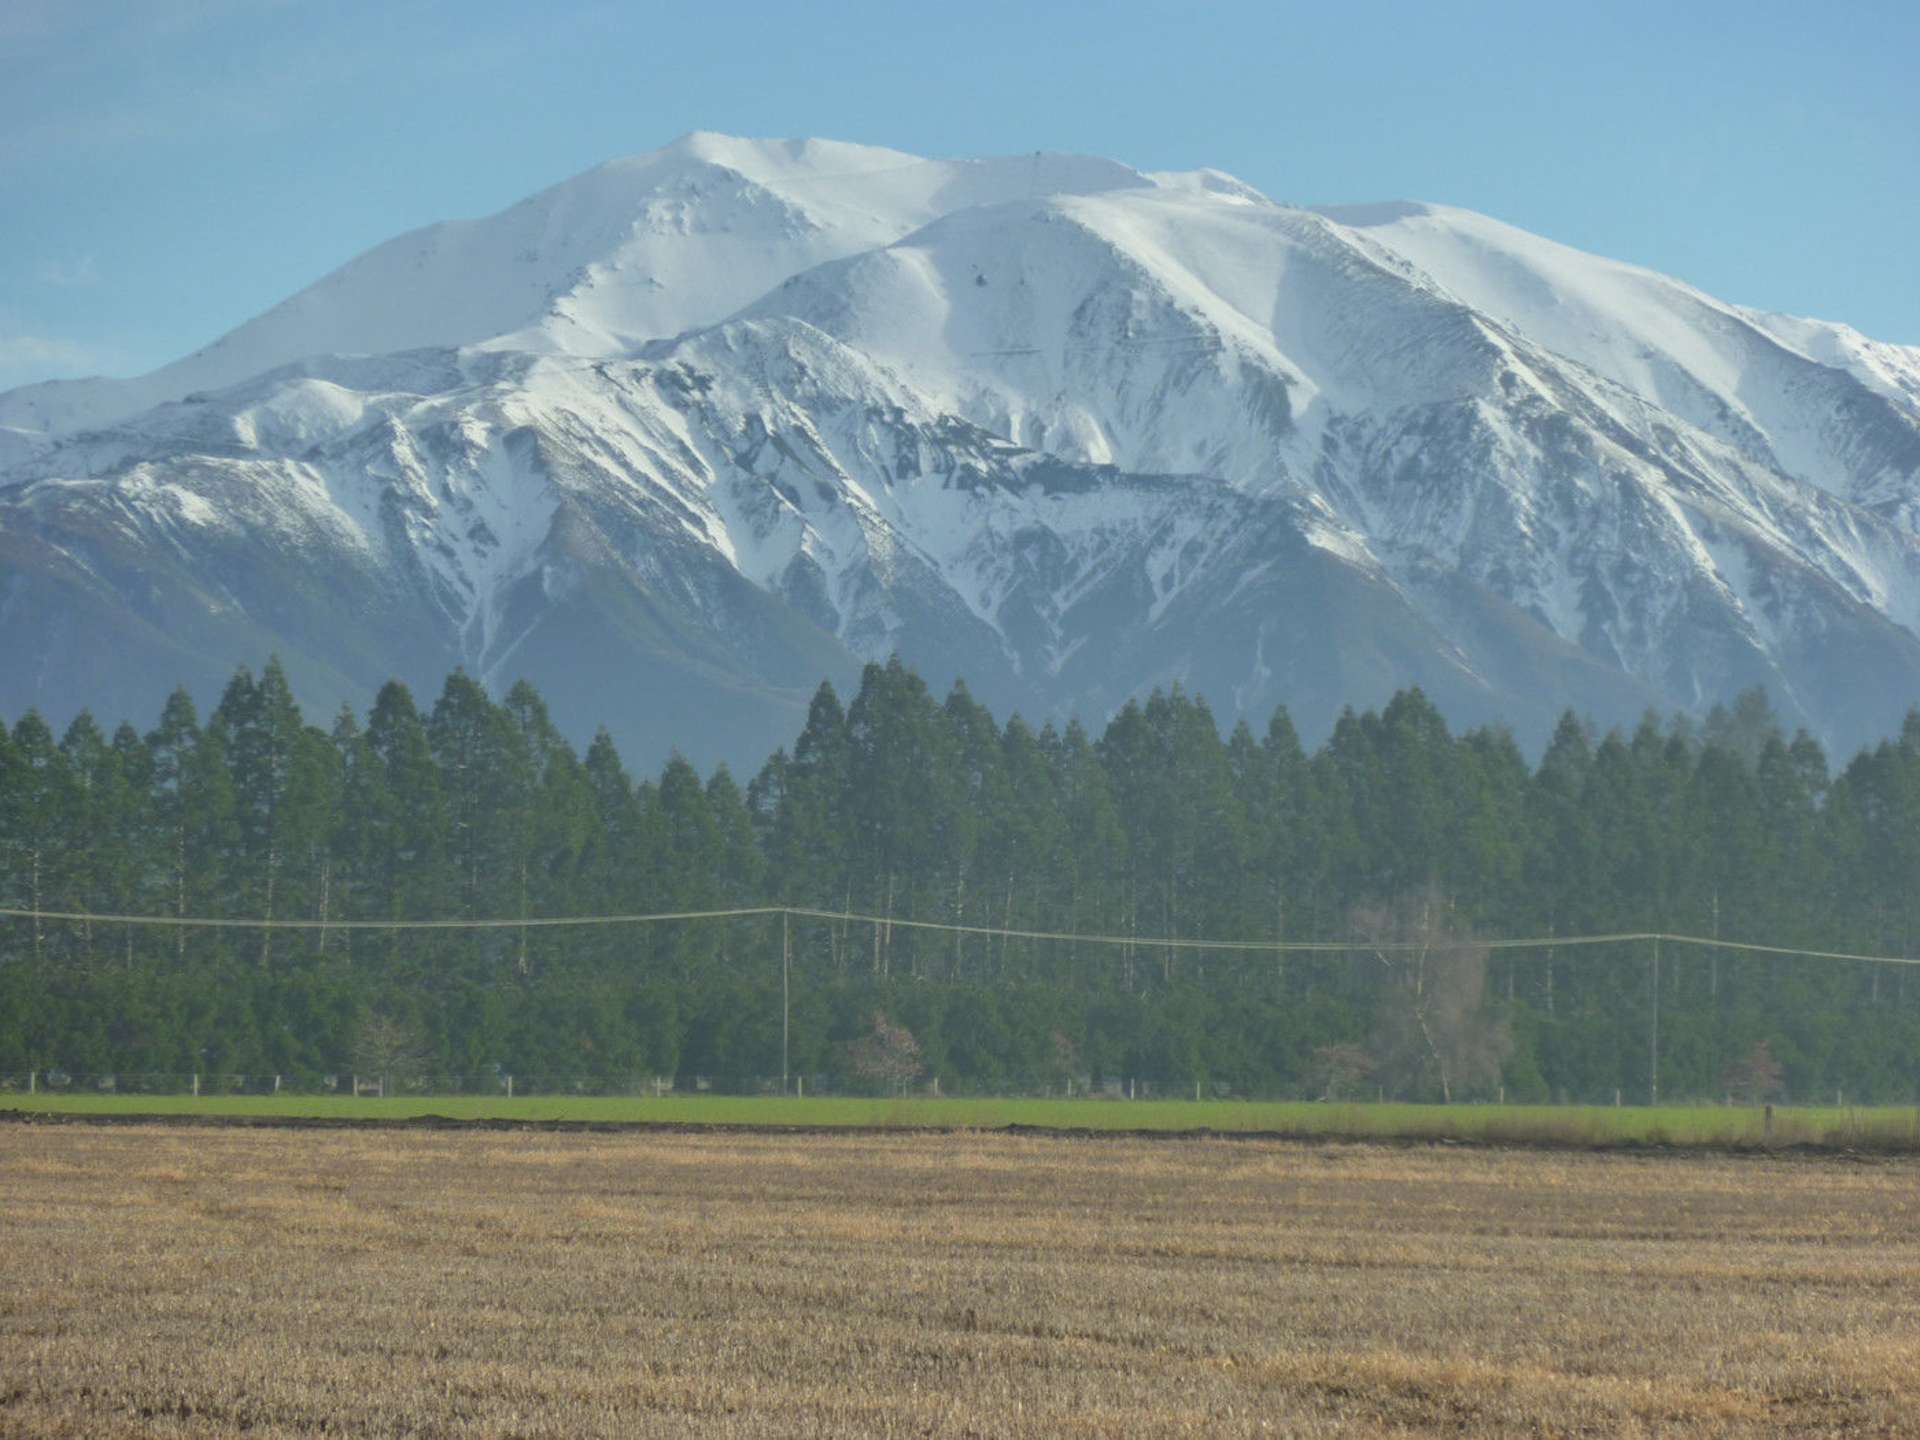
169	168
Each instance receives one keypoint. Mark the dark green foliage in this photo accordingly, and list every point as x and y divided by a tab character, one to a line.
906	807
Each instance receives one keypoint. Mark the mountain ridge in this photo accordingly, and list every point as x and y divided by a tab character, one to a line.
1082	431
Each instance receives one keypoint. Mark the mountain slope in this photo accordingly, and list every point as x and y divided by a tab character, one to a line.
766	410
634	249
1816	401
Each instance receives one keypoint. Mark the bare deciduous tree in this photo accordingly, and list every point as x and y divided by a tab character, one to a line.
1432	1030
886	1055
1063	1058
1755	1077
389	1048
1338	1071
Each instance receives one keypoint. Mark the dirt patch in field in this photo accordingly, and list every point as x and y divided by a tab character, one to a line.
1866	1148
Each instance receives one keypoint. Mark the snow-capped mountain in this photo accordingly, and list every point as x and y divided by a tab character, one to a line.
679	437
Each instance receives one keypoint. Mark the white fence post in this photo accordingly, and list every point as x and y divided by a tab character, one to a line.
33	1082
509	1087
196	1084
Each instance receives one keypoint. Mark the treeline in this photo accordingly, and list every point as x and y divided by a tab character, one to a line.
903	805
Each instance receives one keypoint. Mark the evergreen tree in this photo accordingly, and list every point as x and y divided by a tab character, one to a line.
905	808
560	818
90	829
1094	853
972	801
808	832
617	848
692	858
898	800
282	787
406	876
740	875
38	796
1024	842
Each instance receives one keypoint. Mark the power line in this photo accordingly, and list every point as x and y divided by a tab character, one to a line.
1159	942
196	922
1137	942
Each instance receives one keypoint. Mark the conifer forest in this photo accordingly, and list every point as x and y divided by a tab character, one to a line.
897	803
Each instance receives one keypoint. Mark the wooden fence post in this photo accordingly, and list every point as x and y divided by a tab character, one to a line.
196	1084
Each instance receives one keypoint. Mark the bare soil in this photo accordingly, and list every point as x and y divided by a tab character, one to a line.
280	1283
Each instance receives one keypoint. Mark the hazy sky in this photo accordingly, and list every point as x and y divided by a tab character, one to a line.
168	170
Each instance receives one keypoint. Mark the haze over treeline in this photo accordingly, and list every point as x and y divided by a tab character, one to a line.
900	803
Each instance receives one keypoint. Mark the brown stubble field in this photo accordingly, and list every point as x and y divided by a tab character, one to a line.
161	1281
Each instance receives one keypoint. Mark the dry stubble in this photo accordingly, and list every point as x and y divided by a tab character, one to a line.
395	1283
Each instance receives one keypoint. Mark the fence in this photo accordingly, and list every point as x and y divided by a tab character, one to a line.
346	1085
635	1087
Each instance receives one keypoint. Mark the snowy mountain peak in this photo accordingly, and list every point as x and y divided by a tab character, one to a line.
682	433
632	250
1216	183
1778	390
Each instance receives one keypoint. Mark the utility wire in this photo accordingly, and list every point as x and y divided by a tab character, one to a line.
1137	942
194	922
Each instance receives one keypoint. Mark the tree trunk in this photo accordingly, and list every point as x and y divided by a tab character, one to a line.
886	949
1166	956
266	934
326	879
521	963
180	891
959	914
1550	933
1006	923
1713	955
33	882
1279	932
